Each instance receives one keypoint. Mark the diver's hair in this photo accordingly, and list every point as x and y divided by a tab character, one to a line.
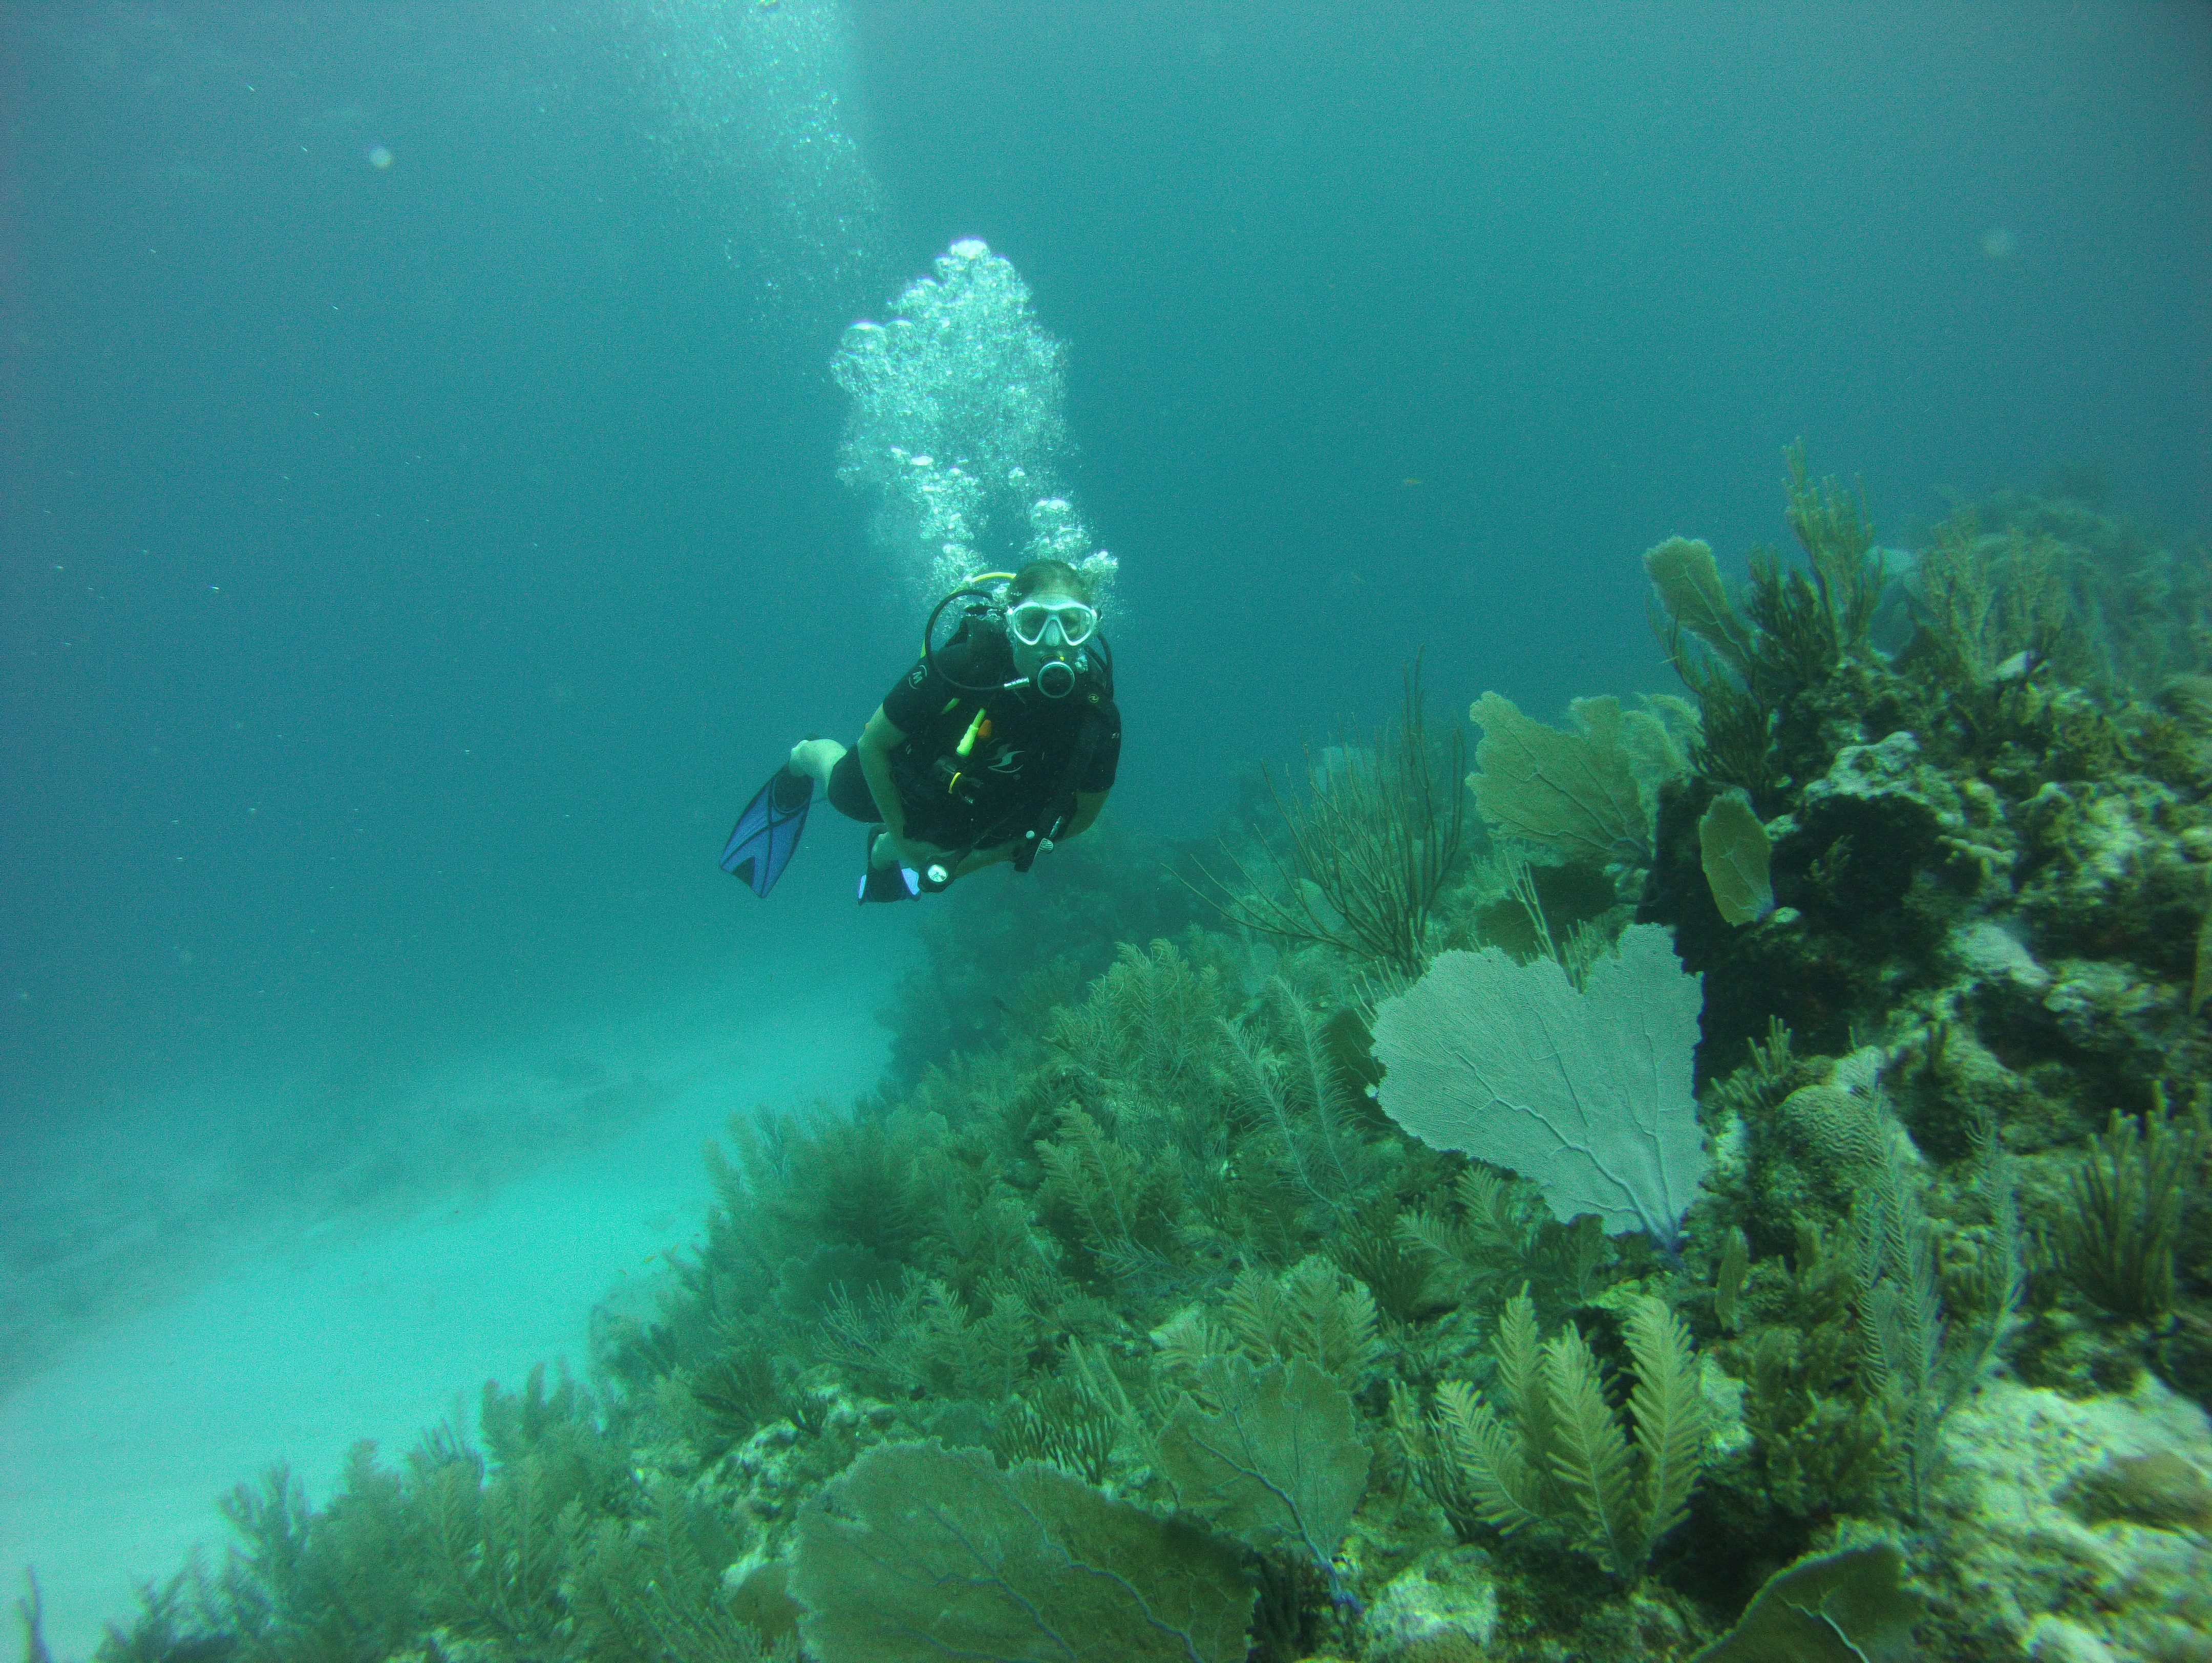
1048	574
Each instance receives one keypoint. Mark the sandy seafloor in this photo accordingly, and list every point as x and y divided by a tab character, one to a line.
112	1456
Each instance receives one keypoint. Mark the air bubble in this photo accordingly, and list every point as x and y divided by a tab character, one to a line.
962	368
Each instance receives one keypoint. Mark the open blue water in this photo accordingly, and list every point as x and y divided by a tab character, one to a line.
421	528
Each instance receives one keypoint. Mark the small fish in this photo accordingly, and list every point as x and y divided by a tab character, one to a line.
1412	479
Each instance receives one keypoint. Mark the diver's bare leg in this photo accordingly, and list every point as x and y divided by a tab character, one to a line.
817	757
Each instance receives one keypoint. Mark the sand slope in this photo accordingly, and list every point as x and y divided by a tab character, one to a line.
112	1458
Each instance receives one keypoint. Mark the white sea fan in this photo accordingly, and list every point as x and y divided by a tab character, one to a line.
1585	1092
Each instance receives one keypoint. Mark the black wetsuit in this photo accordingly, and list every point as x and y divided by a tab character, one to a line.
1028	759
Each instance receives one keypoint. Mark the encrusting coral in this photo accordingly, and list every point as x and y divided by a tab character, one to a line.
1126	1305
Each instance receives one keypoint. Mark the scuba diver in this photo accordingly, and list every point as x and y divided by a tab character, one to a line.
996	746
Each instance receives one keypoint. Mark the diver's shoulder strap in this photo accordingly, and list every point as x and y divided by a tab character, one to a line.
1101	666
1061	805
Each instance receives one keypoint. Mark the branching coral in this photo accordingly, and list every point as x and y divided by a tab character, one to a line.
1820	1443
646	1590
1312	1313
1358	863
2116	1239
1500	1236
1914	1363
1552	1455
1301	1098
1062	1421
1795	628
1983	600
1117	1205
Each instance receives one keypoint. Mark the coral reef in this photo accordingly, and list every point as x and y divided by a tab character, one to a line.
1358	863
2077	1528
1125	1320
1553	1454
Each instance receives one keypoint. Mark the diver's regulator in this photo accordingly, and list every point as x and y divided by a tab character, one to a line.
1057	676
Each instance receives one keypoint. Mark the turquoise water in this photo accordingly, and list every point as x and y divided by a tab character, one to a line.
410	569
421	524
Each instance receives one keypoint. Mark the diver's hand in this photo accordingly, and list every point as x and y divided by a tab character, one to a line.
892	850
930	861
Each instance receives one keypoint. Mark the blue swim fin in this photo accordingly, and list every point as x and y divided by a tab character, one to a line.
886	883
761	841
889	884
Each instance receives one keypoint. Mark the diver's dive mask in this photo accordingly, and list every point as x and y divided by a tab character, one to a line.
1051	623
1046	634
